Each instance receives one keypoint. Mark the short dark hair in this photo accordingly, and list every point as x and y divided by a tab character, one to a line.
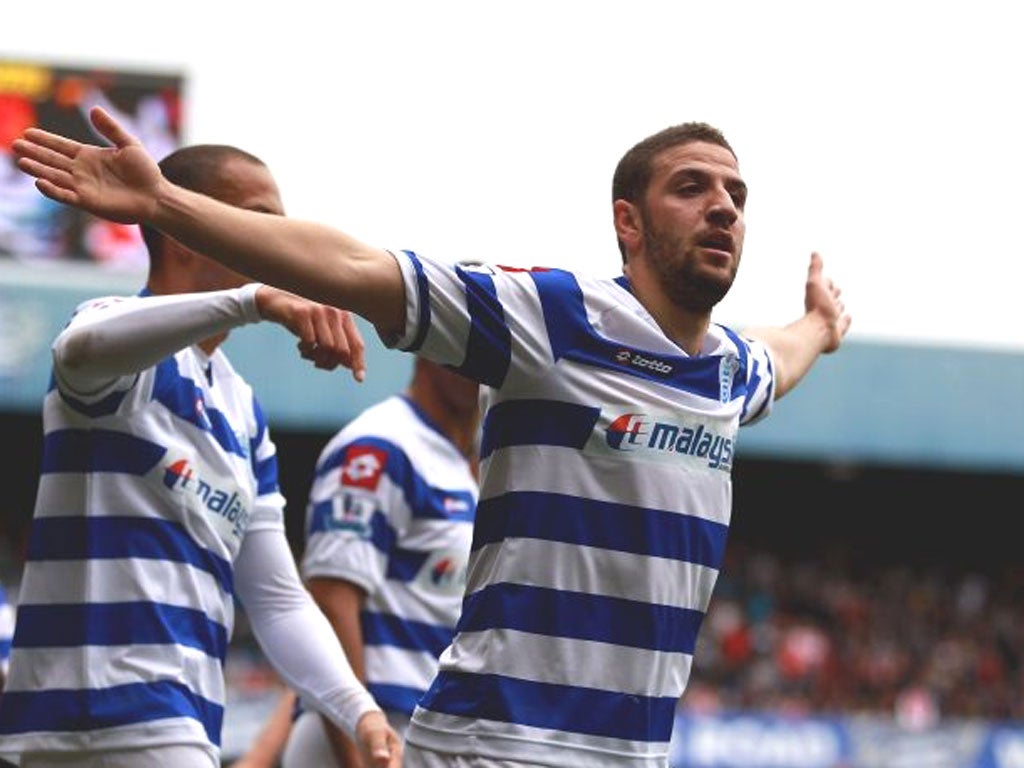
633	173
196	167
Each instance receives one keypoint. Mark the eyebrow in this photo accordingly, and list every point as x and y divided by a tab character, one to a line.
732	183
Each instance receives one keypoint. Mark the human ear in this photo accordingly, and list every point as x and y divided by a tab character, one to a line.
628	226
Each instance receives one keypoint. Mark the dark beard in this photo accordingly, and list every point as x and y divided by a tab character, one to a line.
679	278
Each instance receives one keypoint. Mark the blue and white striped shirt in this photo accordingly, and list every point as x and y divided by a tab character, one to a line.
148	487
391	509
604	506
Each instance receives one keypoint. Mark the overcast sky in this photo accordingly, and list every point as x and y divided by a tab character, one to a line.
886	135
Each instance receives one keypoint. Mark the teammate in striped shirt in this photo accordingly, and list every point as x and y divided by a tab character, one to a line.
388	531
158	505
611	414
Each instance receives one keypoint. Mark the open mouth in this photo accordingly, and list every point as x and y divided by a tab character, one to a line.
717	242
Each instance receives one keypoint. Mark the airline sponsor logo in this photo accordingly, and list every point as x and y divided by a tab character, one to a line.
229	509
444	573
641	433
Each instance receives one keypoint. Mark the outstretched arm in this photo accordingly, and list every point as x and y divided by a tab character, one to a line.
123	183
796	346
119	336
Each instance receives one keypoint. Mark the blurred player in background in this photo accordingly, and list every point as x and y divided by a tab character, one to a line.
388	531
158	504
611	415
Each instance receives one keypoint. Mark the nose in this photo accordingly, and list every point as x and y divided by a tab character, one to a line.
722	211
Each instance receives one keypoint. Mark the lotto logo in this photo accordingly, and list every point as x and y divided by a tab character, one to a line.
363	467
636	360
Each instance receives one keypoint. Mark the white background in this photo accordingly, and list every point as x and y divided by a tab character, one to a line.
886	135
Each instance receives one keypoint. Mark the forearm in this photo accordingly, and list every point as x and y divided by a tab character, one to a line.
342	602
794	348
307	258
133	334
293	632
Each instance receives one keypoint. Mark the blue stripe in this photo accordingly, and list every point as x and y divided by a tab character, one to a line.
489	346
424	500
103	407
139	623
98	450
395	698
265	471
600	524
266	475
387	629
573	338
180	396
382	535
423	290
84	538
5	648
93	709
581	616
537	422
769	396
404	564
550	706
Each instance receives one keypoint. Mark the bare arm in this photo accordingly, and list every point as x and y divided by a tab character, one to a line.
796	346
266	749
123	183
341	602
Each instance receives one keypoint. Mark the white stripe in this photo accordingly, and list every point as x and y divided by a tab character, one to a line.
175	730
437	610
540	746
109	665
582	663
389	665
574	568
128	580
553	469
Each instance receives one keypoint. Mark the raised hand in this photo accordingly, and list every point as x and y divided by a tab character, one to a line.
822	297
327	336
118	183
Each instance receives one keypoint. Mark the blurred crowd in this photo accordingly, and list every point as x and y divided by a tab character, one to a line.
832	635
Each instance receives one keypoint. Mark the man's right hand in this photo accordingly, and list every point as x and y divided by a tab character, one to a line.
327	336
379	744
119	183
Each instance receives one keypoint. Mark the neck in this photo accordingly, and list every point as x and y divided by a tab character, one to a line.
684	327
457	425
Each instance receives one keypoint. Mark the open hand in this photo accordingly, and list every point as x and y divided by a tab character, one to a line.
118	183
822	297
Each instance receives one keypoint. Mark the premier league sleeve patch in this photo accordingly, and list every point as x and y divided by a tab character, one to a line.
363	467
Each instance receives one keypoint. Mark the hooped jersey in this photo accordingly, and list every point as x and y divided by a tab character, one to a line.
605	501
147	490
391	509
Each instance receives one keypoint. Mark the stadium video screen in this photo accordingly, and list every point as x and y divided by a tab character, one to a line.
38	231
